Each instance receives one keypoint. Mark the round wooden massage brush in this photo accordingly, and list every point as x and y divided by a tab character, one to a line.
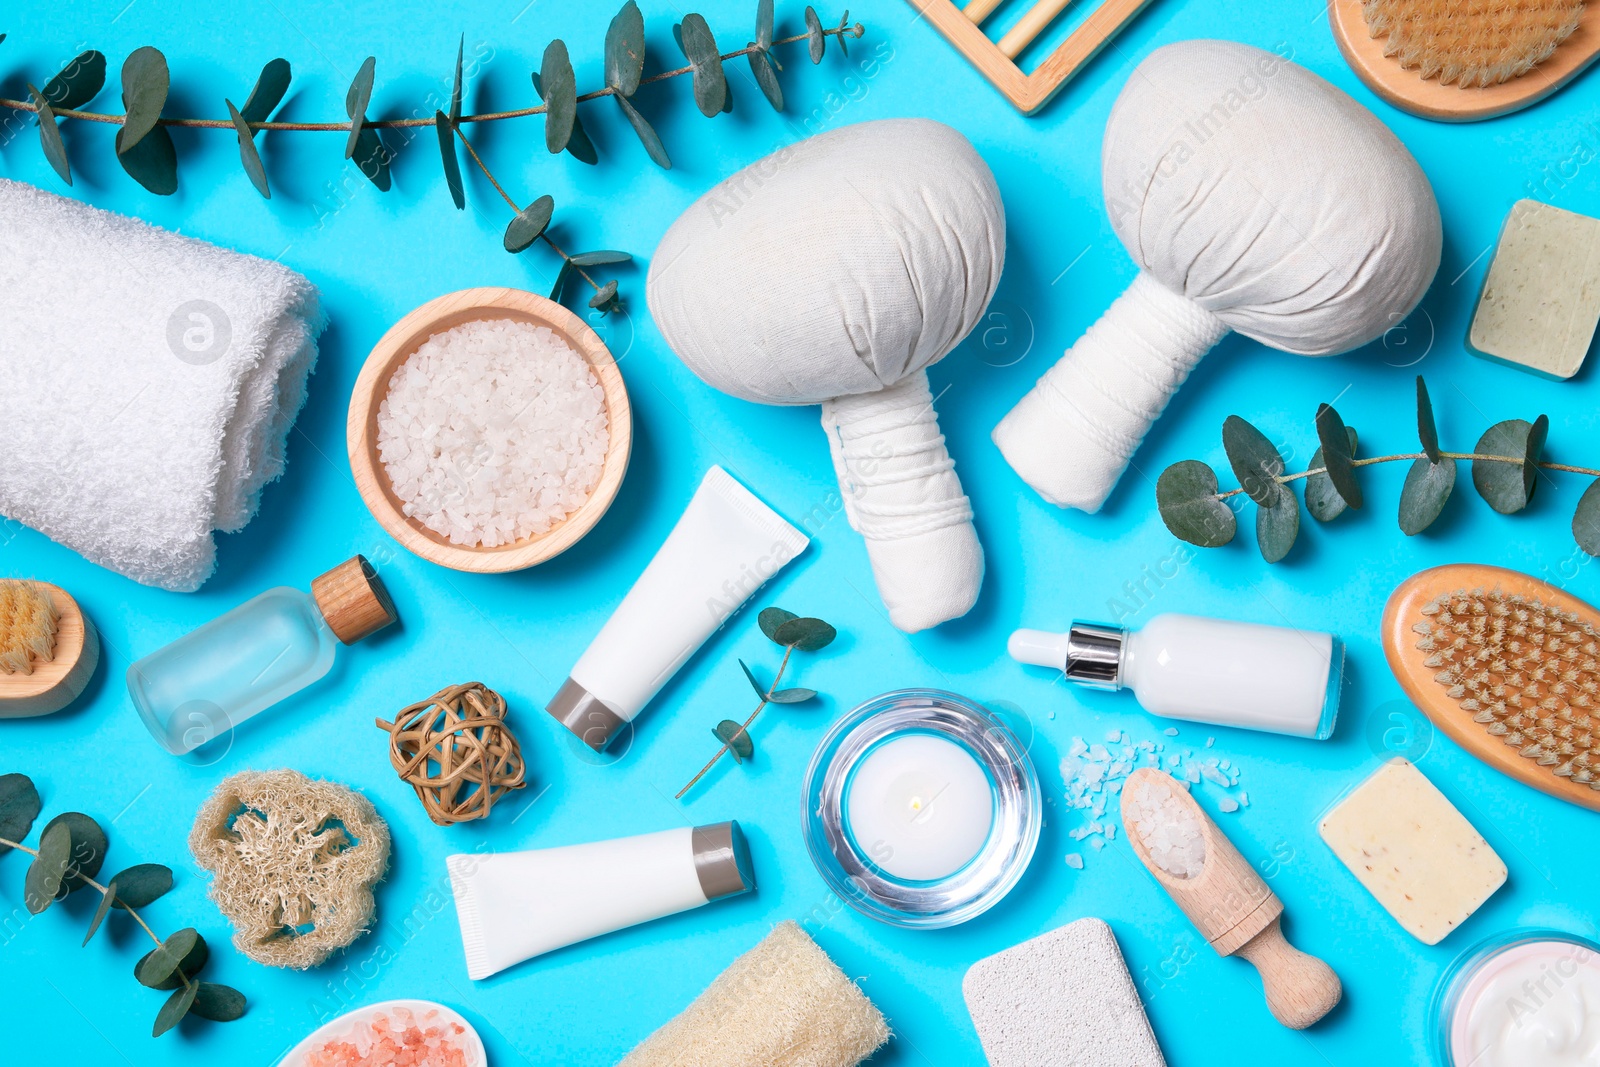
41	685
1234	910
1506	666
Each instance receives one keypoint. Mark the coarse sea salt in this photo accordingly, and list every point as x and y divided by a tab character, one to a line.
1169	831
493	431
396	1038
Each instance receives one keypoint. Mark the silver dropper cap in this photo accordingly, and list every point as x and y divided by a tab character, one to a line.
1089	653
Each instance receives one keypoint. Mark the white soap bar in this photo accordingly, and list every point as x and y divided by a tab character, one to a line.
1541	298
1413	851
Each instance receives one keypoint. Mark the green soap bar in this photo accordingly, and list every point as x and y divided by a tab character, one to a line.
1541	299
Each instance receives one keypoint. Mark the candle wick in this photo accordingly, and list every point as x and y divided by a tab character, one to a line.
923	810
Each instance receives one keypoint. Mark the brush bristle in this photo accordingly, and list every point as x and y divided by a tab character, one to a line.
28	623
1471	42
1526	672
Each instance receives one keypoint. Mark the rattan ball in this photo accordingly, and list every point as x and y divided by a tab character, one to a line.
457	752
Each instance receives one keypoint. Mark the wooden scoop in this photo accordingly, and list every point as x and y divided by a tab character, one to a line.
1237	914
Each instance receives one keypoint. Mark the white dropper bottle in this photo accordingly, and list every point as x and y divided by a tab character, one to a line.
1257	677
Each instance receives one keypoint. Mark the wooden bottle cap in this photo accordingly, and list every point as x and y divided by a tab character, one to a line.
353	600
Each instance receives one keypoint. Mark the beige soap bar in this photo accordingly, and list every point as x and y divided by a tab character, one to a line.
1413	851
1541	299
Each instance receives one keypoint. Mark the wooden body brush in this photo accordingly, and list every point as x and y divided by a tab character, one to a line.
1460	61
48	649
1508	667
1225	899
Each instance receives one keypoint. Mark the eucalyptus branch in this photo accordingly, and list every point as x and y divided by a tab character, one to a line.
793	633
145	148
1505	466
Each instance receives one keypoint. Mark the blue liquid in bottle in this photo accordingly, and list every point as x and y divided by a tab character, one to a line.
238	665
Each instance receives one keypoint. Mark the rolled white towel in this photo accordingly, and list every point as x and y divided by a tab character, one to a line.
148	383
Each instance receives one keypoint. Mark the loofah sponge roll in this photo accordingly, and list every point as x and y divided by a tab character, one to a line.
782	1004
294	862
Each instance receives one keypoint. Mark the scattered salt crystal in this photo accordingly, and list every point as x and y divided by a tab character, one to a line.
1228	804
1097	843
1078	747
493	431
1214	776
1171	731
1169	830
1075	861
1111	831
1114	736
1244	800
1099	754
1210	741
1224	764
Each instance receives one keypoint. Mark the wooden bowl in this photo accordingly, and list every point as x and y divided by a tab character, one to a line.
404	338
54	685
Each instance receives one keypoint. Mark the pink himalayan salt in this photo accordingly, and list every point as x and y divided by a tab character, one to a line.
408	1043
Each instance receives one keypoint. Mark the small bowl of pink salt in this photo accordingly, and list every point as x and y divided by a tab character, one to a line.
395	1033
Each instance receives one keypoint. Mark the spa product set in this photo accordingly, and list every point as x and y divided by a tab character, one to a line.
490	430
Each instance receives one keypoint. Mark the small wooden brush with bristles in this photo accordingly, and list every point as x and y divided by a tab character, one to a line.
1508	667
48	649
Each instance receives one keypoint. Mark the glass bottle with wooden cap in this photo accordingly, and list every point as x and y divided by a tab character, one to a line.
211	680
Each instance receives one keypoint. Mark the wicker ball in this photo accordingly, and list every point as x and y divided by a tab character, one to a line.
457	752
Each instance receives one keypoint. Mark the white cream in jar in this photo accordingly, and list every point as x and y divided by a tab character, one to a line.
1533	1002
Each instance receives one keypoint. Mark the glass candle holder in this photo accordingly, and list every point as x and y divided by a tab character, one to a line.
1524	996
921	808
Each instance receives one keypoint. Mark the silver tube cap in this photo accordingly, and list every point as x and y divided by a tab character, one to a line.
722	860
586	715
1094	655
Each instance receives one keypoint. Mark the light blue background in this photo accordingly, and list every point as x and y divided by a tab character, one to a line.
375	256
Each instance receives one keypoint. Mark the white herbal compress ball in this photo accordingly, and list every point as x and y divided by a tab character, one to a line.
834	271
1253	196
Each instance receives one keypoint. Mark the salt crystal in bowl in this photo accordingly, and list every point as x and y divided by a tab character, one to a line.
418	1033
462	529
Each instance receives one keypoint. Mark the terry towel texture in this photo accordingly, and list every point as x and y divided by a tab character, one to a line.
782	1004
149	383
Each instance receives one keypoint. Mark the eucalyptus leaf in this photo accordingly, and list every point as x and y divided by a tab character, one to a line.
1278	526
600	258
153	162
761	690
78	81
89	847
736	738
1586	520
100	913
647	134
145	82
247	151
764	24
580	147
558	88
447	152
1507	487
455	88
844	49
806	634
792	696
762	65
372	158
184	951
356	100
603	295
771	618
50	136
219	1003
818	40
1427	431
700	48
1322	499
727	97
625	50
142	884
562	274
1427	489
176	1007
41	887
1336	455
1186	494
529	224
1256	463
19	806
268	91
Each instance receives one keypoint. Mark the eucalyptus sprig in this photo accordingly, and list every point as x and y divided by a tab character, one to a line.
145	149
794	634
71	849
1505	466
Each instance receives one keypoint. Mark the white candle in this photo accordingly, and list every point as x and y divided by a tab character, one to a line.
920	807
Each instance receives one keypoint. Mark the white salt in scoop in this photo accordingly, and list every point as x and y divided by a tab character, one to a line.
493	431
1168	829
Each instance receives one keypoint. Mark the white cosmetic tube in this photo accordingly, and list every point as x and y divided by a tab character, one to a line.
724	548
516	905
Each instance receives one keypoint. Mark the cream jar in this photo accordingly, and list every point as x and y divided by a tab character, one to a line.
1527	998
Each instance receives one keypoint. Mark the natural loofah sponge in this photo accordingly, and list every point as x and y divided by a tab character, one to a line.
782	1004
294	863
